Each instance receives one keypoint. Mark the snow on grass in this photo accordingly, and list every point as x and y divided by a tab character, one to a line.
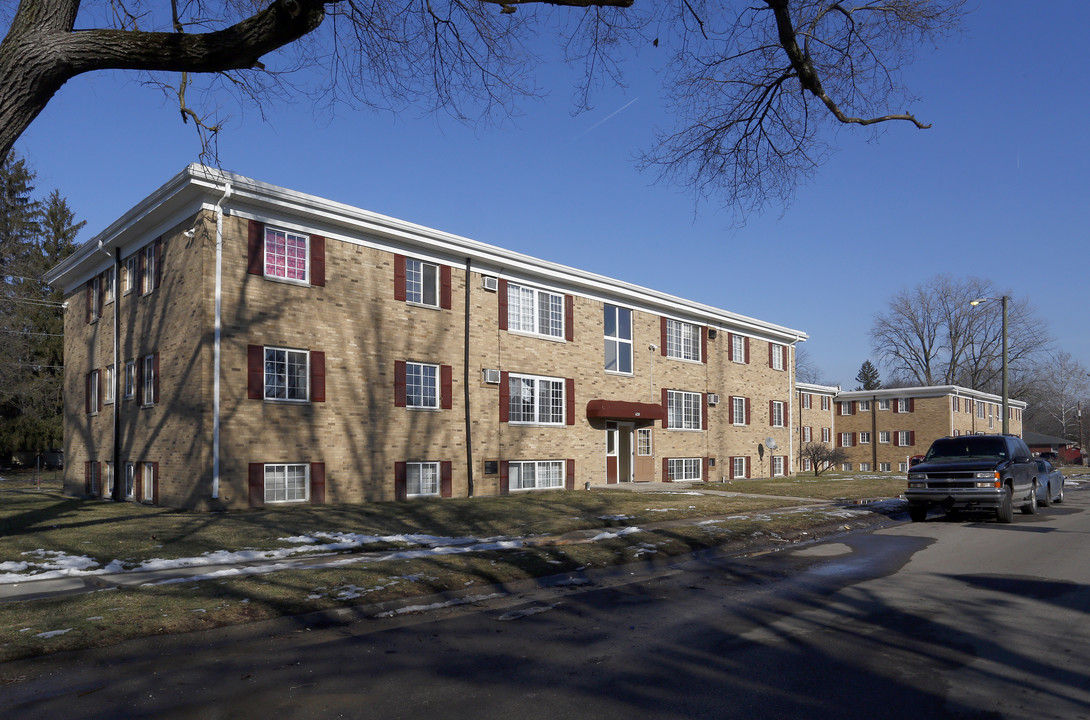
53	633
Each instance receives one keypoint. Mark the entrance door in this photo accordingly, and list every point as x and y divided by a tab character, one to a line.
618	452
643	465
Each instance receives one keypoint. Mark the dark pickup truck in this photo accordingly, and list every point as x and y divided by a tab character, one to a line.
974	472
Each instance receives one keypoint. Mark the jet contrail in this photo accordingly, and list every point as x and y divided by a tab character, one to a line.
607	117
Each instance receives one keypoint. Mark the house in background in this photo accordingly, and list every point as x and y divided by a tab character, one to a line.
1056	449
231	344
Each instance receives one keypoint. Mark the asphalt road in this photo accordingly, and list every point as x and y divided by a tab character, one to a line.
959	618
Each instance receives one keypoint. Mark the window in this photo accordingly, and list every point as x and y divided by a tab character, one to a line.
883	437
421	385
980	410
738	410
643	442
904	438
683	410
535	475
94	381
883	467
846	439
903	405
95	298
286	483
536	400
846	467
108	391
864	438
108	478
738	349
92	478
806	401
147	391
846	407
285	374
864	406
683	469
535	311
777	418
421	282
864	467
807	465
150	471
955	404
738	467
618	339
421	479
285	255
130	479
682	340
903	467
130	379
129	274
147	280
806	433
777	466
108	291
883	404
826	434
824	402
775	356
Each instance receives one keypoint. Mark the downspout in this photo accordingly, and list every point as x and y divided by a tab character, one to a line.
874	433
117	493
216	332
465	385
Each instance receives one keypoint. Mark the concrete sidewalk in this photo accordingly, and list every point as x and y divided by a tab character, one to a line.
666	487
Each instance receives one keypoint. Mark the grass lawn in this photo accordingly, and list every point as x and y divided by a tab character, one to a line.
33	520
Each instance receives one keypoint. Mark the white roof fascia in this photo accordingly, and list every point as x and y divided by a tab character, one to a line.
927	391
819	389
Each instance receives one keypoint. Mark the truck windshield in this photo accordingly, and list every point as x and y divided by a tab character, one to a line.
966	448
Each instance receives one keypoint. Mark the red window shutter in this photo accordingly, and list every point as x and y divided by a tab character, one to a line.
257	484
730	410
501	293
446	387
569	401
747	352
446	479
896	438
255	372
771	411
666	470
703	344
101	292
155	378
748	464
707	469
854	407
730	468
445	293
855	440
255	256
569	318
155	483
401	484
101	393
747	411
317	260
317	376
662	336
912	437
505	478
505	396
839	440
912	404
138	391
730	345
399	383
666	409
157	253
317	483
138	481
704	411
141	260
569	474
770	346
399	278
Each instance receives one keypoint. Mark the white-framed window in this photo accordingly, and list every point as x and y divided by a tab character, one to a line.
806	433
739	409
108	290
287	482
129	274
286	374
149	482
846	407
618	339
968	406
864	467
93	390
957	433
779	417
777	356
421	479
530	310
108	477
883	467
683	410
643	442
955	404
147	391
807	465
738	349
903	467
864	438
883	404
846	467
130	479
286	255
684	469
108	391
777	466
738	467
826	434
806	401
864	406
846	439
421	386
682	340
147	282
904	438
92	478
535	474
824	402
883	437
537	400
902	405
421	282
96	297
130	379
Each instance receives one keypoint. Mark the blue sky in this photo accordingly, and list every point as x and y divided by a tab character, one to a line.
997	189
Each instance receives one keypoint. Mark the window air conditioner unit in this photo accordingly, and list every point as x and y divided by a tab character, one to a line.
491	376
712	332
713	398
490	284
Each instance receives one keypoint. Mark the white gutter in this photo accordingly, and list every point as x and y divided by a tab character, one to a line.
217	326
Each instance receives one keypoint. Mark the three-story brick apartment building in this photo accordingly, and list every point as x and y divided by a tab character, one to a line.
230	343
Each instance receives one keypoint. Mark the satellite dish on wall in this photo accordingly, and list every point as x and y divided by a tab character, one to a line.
770	443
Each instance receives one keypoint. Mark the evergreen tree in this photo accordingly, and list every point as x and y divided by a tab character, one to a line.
868	377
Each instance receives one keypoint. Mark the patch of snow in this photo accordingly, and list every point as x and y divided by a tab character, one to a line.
468	600
608	535
53	633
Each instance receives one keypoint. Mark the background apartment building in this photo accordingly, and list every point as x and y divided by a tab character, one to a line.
230	343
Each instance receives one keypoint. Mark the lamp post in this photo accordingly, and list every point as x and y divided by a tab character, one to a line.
1003	300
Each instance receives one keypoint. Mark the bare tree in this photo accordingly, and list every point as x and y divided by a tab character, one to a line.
822	457
753	83
931	335
1059	383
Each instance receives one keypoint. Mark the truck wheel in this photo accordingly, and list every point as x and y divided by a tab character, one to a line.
917	514
1030	508
1005	512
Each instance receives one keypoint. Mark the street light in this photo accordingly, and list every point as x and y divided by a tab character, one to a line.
1004	300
